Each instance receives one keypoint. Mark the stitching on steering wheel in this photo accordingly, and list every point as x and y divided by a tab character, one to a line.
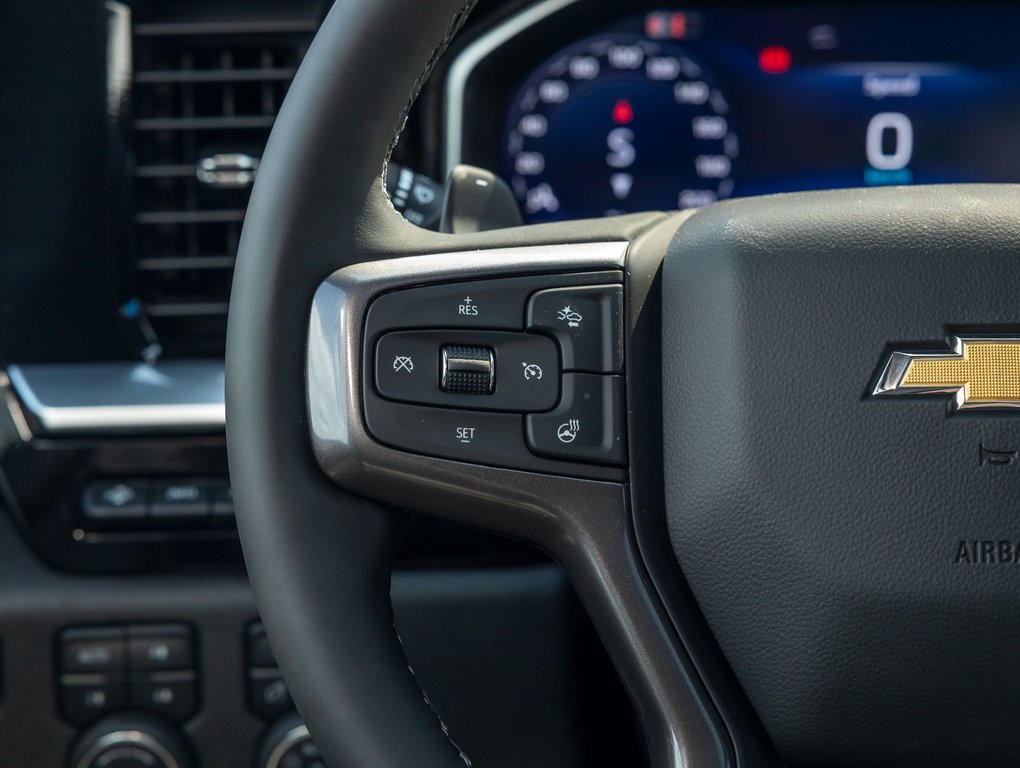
451	30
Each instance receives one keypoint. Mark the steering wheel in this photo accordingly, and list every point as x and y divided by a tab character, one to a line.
785	499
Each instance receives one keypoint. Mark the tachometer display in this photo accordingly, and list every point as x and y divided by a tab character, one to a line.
619	123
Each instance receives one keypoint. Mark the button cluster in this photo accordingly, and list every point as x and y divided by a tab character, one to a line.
149	667
539	371
268	696
148	503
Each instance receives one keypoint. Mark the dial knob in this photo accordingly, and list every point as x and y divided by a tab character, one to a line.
130	742
286	744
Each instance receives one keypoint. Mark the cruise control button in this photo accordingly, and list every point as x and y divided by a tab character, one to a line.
586	321
524	369
477	304
476	437
588	424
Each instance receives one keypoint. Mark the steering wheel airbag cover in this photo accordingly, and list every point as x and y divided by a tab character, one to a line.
818	526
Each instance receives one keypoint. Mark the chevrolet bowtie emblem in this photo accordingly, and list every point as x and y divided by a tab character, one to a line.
980	372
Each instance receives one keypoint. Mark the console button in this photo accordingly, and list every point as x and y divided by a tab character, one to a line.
160	647
586	321
222	500
98	650
170	693
473	436
588	424
115	500
267	693
260	654
83	698
183	499
408	367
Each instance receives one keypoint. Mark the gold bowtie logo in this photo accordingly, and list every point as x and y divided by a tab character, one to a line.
980	372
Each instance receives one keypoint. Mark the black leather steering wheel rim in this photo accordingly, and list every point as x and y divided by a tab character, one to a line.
374	55
320	559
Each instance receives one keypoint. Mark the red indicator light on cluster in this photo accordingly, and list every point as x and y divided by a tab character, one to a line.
774	60
623	112
677	26
660	26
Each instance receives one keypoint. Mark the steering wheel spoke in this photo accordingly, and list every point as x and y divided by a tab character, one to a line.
349	398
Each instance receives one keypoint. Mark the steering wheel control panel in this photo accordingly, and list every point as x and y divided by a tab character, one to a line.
519	372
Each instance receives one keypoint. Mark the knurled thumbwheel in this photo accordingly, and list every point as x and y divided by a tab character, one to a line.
468	370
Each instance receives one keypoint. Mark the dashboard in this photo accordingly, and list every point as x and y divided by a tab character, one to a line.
137	127
591	113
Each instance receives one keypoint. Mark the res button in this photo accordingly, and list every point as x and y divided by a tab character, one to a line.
497	304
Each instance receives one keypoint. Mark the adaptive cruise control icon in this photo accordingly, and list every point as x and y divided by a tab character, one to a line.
403	363
532	371
979	372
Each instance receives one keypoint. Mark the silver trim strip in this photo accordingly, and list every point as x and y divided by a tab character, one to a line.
122	397
291	738
466	61
128	738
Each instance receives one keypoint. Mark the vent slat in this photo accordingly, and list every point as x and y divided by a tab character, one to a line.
203	123
182	29
204	90
186	262
217	76
186	309
188	217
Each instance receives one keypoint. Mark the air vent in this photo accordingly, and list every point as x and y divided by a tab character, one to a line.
207	85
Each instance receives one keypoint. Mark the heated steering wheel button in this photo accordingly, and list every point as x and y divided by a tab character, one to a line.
586	321
587	426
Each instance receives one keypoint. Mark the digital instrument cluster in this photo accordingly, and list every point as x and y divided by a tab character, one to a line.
671	109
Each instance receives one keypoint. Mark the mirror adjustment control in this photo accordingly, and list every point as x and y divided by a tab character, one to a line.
587	321
467	370
588	424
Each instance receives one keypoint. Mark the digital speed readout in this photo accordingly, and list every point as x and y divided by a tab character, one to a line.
646	113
